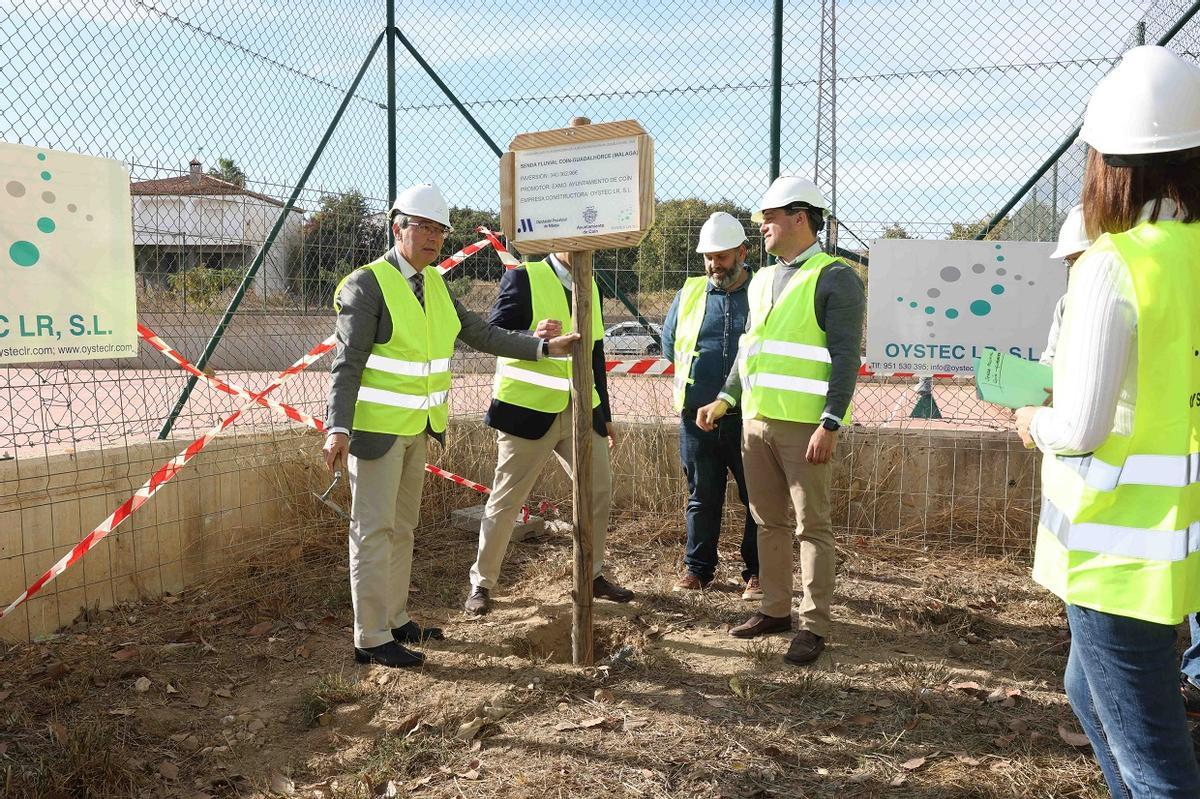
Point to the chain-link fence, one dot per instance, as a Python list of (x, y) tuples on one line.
[(919, 119)]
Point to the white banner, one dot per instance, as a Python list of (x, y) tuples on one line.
[(66, 257), (577, 189), (935, 305)]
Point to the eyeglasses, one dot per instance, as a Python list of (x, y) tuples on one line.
[(429, 228)]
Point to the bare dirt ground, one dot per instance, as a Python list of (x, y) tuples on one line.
[(942, 679)]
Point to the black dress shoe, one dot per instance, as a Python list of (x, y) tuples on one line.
[(603, 589), (805, 648), (413, 633), (389, 654), (478, 602)]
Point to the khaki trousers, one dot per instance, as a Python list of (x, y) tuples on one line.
[(777, 475), (518, 464), (385, 507)]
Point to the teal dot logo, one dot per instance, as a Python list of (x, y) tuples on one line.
[(951, 313), (45, 175), (912, 304), (24, 253), (999, 257), (981, 307), (997, 289), (899, 299), (41, 156), (928, 309), (46, 224)]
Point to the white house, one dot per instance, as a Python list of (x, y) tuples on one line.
[(197, 220)]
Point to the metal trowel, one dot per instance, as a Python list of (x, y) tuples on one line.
[(329, 503)]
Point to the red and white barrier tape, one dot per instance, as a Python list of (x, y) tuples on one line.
[(457, 258), (640, 366), (508, 259), (160, 478), (152, 338)]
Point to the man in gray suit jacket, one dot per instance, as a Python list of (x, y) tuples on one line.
[(396, 327)]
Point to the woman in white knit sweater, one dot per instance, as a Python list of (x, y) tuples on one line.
[(1119, 533)]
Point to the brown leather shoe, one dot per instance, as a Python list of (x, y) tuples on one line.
[(603, 589), (478, 603), (805, 648), (690, 582), (759, 624)]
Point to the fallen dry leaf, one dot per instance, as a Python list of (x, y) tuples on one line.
[(200, 697), (141, 685), (472, 772), (596, 722), (913, 764), (262, 628), (128, 653), (282, 785), (563, 726), (169, 770), (468, 730), (967, 760), (224, 691), (631, 724), (59, 732), (1073, 738), (898, 780), (602, 695), (967, 685), (1001, 694)]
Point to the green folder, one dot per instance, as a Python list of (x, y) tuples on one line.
[(1011, 381)]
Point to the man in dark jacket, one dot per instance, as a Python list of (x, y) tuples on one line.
[(531, 411)]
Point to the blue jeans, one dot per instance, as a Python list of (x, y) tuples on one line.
[(1189, 665), (707, 458), (1123, 684)]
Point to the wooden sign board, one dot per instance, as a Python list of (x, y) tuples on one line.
[(582, 188)]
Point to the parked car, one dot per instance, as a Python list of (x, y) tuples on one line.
[(632, 338)]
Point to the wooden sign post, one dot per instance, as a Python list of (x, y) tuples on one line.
[(575, 190)]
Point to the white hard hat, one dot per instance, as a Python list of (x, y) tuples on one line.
[(425, 200), (1149, 103), (720, 232), (1073, 236), (788, 189)]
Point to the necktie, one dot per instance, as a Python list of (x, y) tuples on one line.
[(418, 287)]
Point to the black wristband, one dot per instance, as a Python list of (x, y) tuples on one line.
[(830, 424), (545, 348)]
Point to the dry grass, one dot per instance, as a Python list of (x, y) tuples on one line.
[(674, 708)]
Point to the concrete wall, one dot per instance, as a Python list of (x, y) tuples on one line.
[(222, 506), (971, 492)]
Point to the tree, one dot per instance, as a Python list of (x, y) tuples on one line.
[(960, 231), (229, 172), (667, 256), (481, 266), (340, 237), (895, 232), (1034, 221)]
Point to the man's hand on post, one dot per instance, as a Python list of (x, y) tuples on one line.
[(548, 328), (708, 415), (337, 445), (561, 345), (820, 445), (612, 434)]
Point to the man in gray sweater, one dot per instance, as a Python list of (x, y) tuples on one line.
[(396, 328), (797, 367)]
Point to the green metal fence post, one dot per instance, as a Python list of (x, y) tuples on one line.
[(248, 278), (391, 109), (776, 85)]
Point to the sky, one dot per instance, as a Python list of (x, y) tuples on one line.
[(943, 107)]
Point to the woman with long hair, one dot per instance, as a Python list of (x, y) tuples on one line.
[(1119, 534)]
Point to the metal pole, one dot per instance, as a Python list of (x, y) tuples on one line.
[(1072, 136), (776, 85), (248, 278), (391, 109), (449, 94)]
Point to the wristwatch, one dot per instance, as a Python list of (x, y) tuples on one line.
[(545, 348), (831, 424)]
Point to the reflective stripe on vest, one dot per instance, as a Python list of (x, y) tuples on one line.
[(783, 361), (1122, 541), (693, 302), (545, 384), (406, 379), (1173, 471), (1120, 528)]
